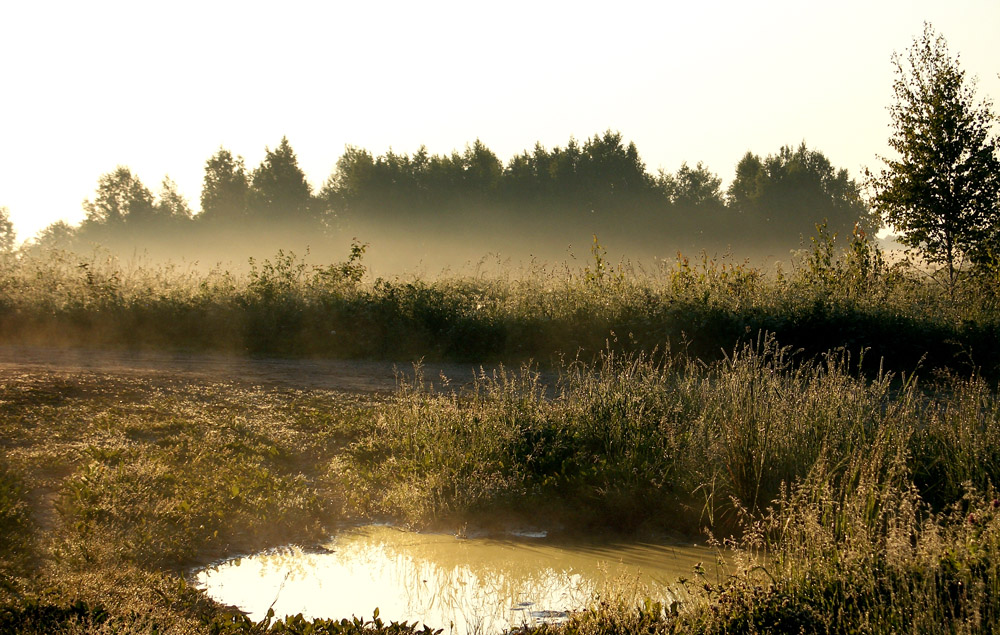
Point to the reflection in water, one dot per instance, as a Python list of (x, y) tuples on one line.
[(462, 586)]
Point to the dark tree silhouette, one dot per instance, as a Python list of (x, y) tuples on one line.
[(481, 172), (787, 194), (692, 188), (224, 188), (279, 190), (121, 197), (352, 180), (612, 171)]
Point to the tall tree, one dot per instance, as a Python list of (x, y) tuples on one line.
[(279, 190), (170, 204), (695, 188), (943, 190), (612, 170), (346, 190), (58, 235), (224, 188), (744, 191), (689, 204), (7, 235), (785, 195), (482, 171), (120, 197)]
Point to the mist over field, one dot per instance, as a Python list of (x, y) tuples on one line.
[(433, 214), (773, 357)]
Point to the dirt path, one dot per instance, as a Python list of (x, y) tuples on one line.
[(343, 375)]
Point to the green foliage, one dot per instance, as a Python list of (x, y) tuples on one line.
[(298, 625), (943, 192), (147, 478), (279, 191), (835, 295), (632, 441), (789, 192), (120, 197), (34, 616), (158, 515), (600, 273), (858, 270), (225, 188), (855, 503), (867, 555), (350, 272), (822, 473)]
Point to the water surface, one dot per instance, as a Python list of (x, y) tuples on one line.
[(459, 585)]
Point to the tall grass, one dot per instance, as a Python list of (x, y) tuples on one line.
[(861, 503), (663, 441), (862, 554), (858, 492), (284, 306)]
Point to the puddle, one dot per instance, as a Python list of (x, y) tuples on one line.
[(459, 585)]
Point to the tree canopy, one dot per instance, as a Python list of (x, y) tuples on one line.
[(225, 188), (942, 192), (121, 197), (598, 186), (793, 191), (279, 190), (7, 235)]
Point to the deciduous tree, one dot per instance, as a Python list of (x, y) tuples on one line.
[(7, 235), (696, 187), (224, 188), (786, 194), (120, 197), (59, 235), (943, 191), (170, 204)]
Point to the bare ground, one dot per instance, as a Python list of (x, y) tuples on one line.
[(32, 376), (354, 376)]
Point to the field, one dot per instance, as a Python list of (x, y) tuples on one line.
[(837, 424)]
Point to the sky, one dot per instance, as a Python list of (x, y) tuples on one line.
[(160, 87)]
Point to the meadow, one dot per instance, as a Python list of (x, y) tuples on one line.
[(837, 425), (831, 296)]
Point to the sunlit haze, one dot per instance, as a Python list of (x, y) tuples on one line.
[(159, 87)]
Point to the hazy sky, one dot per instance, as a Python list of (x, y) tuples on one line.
[(160, 86)]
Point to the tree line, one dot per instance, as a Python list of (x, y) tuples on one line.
[(601, 184), (603, 181), (942, 191)]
